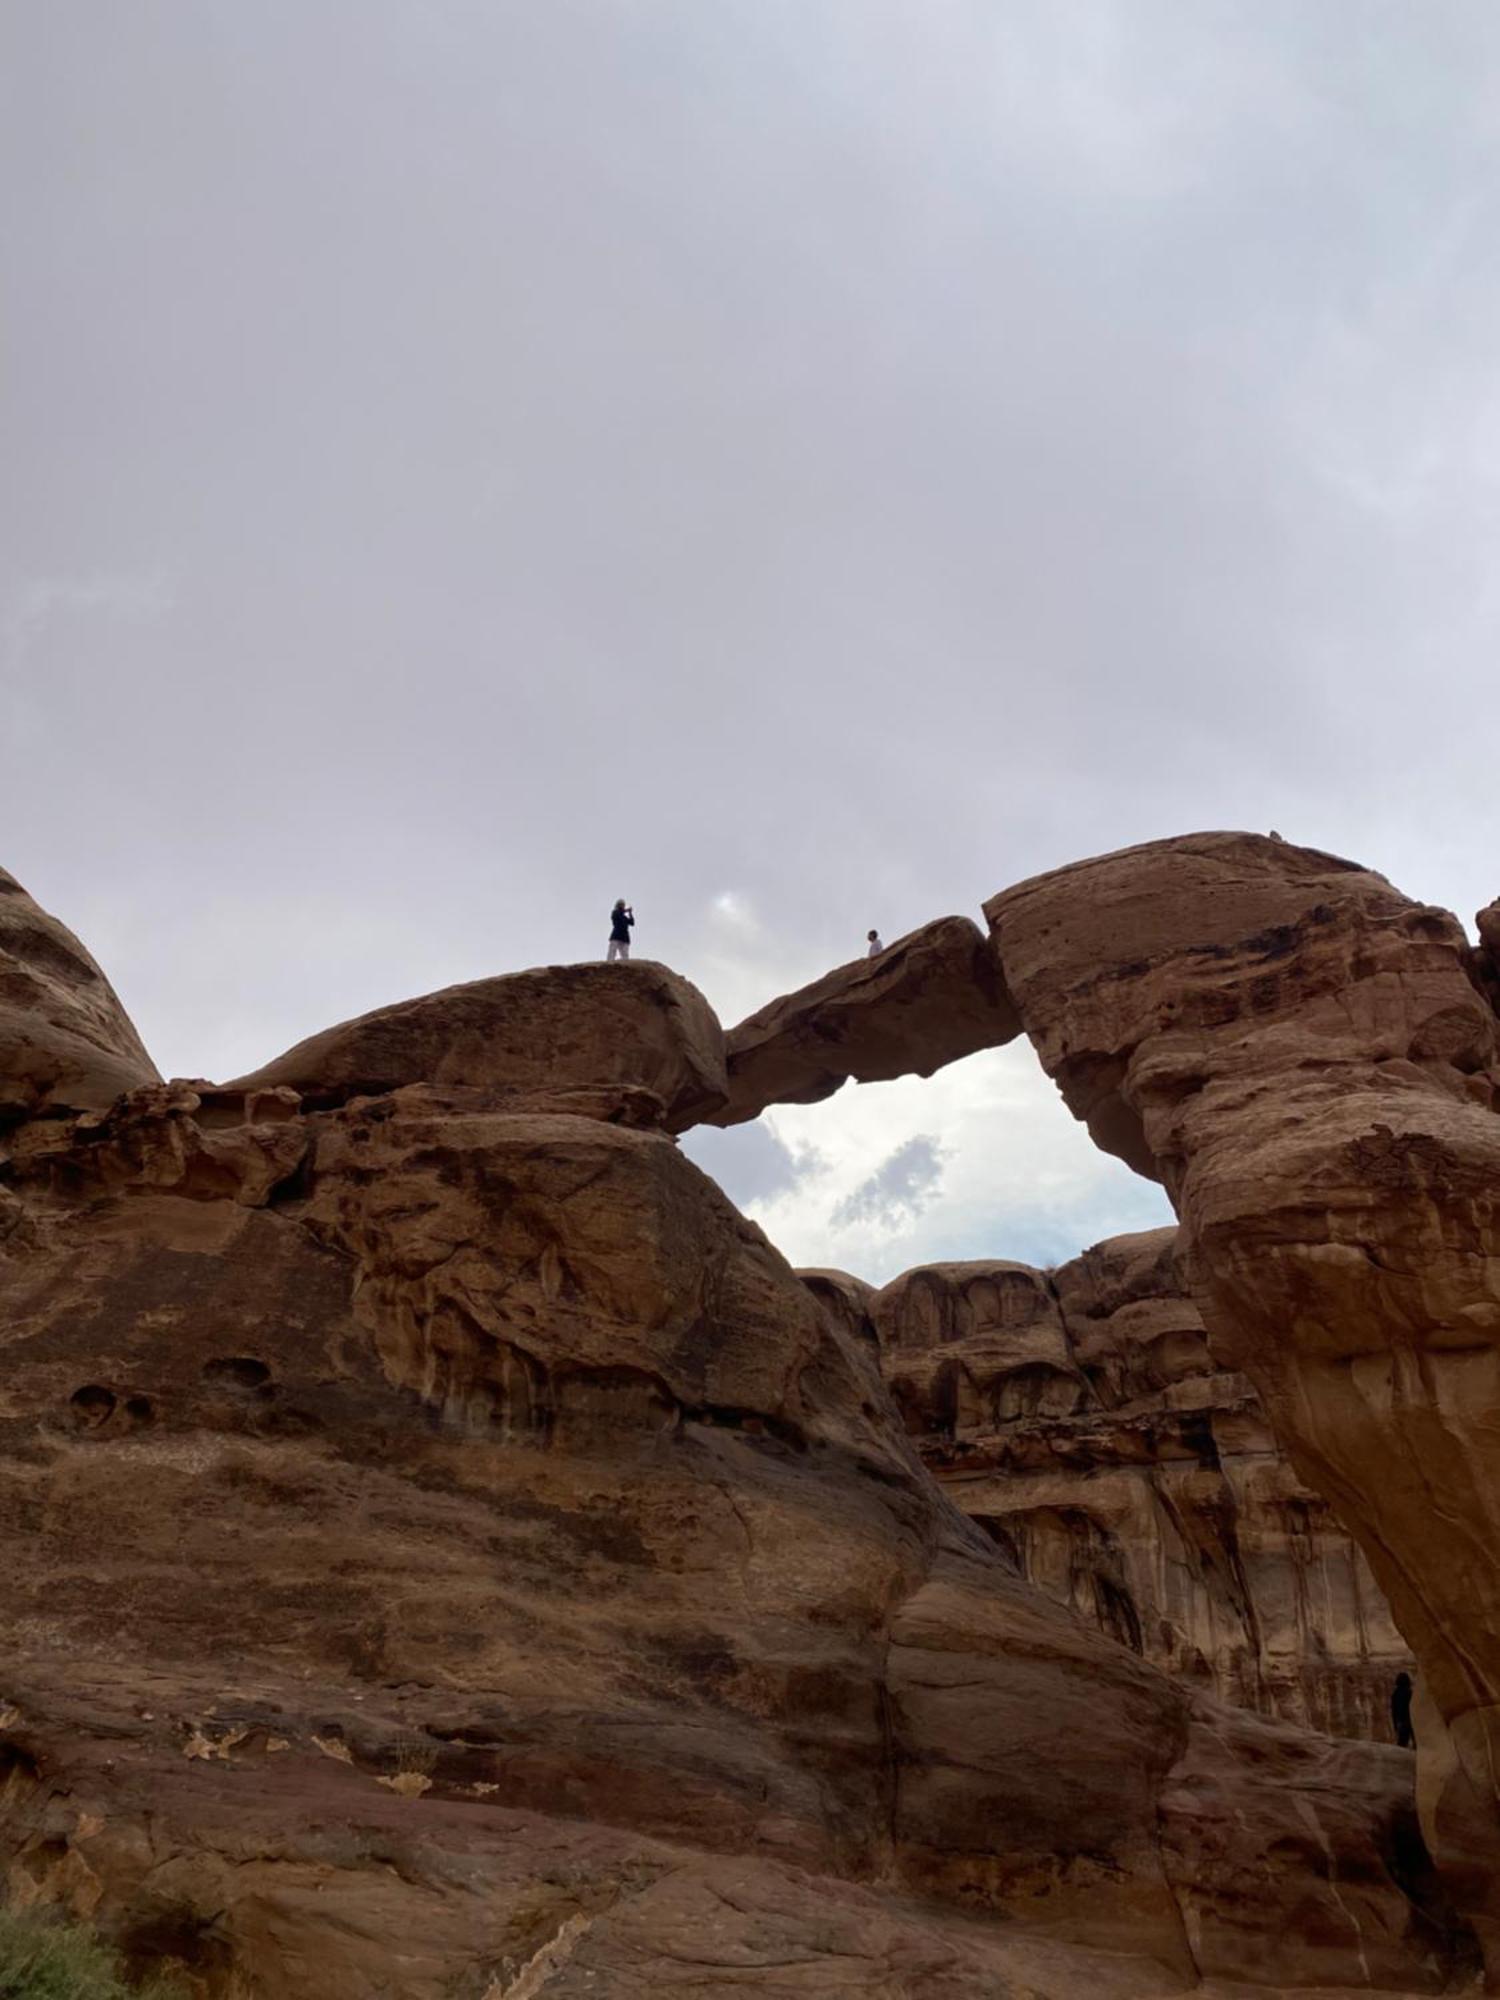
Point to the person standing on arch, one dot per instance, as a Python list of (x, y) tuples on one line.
[(621, 918), (872, 939)]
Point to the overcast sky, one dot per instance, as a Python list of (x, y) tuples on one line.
[(800, 464)]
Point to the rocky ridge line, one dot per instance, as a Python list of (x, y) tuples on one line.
[(66, 1043)]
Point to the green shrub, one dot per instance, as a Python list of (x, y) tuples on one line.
[(44, 1958)]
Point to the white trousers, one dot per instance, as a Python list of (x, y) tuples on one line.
[(616, 950)]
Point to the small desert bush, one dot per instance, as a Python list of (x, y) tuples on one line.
[(44, 1958)]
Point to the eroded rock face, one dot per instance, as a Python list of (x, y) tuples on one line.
[(414, 1482), (1079, 1416), (587, 1027), (448, 1552), (1312, 1808), (1305, 1059), (929, 998), (849, 1300), (1487, 958), (66, 1043), (497, 1460)]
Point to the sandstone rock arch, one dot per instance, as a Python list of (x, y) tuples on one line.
[(933, 996), (1307, 1060), (462, 1475)]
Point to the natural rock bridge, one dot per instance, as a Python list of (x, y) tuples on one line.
[(441, 1532)]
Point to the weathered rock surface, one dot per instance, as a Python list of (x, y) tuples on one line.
[(66, 1043), (503, 1466), (928, 999), (1310, 1809), (1305, 1058), (849, 1300), (635, 1027), (1079, 1416), (449, 1554), (1487, 958)]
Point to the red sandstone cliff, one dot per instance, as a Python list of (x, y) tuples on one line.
[(449, 1553), (1079, 1416)]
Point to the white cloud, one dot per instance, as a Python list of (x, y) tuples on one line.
[(752, 1163), (1019, 1177), (38, 613), (905, 1183), (734, 912), (38, 602)]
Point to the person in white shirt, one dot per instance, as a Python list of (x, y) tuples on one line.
[(876, 947)]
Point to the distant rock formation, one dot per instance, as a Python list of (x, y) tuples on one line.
[(928, 999), (1080, 1418), (66, 1043), (448, 1552), (848, 1299)]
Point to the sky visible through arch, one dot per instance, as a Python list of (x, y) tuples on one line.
[(800, 464)]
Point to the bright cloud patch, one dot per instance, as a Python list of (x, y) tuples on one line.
[(752, 1163), (981, 1160), (898, 1190)]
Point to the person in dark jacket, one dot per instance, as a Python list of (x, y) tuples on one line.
[(621, 917), (1401, 1713)]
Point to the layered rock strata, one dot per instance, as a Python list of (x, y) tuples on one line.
[(493, 1457), (66, 1043), (1307, 1060), (1079, 1416), (555, 1030), (848, 1298), (449, 1553), (925, 1001)]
